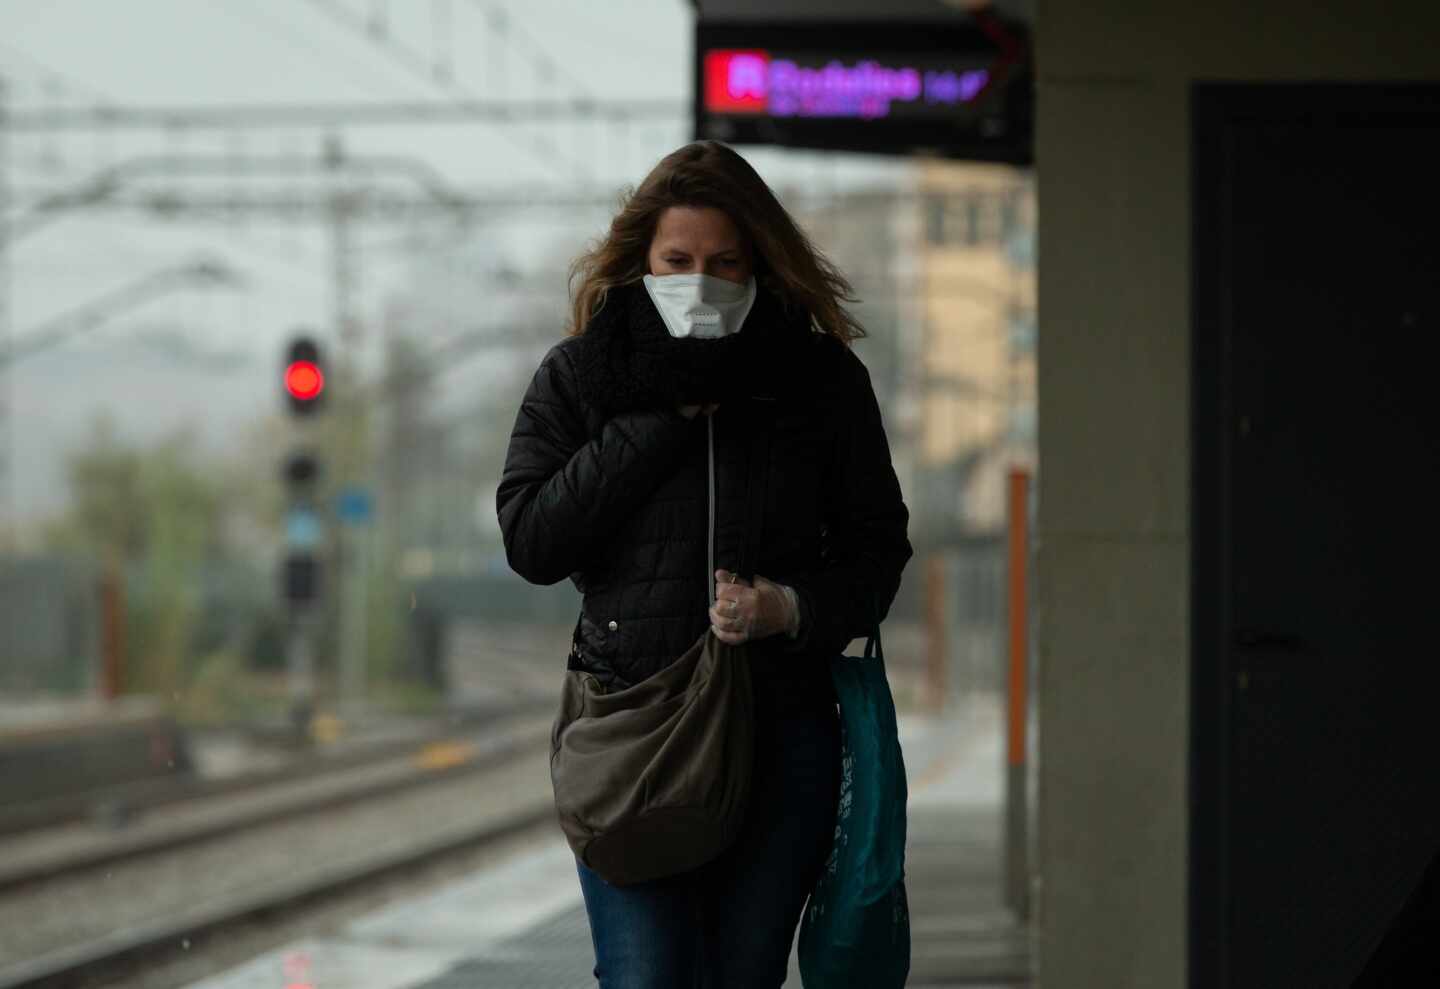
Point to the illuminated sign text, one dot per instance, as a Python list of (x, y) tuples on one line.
[(752, 81)]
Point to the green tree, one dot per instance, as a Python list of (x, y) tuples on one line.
[(157, 515)]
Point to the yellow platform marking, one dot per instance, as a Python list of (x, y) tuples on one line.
[(445, 755)]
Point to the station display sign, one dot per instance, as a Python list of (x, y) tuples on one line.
[(961, 89)]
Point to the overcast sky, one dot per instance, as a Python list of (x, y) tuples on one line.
[(216, 349)]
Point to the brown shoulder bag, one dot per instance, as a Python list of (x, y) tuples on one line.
[(654, 779)]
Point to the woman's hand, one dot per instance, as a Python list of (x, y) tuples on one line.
[(743, 612), (690, 411)]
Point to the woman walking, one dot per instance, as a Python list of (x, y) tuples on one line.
[(708, 335)]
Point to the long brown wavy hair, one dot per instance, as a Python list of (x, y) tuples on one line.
[(707, 173)]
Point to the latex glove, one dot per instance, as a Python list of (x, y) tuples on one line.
[(744, 612)]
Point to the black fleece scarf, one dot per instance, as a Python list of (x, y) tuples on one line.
[(627, 359)]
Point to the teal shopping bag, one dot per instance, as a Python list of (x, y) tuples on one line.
[(855, 933)]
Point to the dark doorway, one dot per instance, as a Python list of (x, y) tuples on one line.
[(1315, 771)]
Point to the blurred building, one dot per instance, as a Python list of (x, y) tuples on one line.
[(976, 284), (944, 267)]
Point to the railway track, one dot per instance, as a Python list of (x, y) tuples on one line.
[(116, 911), (142, 796), (210, 815)]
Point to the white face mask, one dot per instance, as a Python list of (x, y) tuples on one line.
[(700, 305)]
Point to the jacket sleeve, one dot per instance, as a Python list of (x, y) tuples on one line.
[(561, 489), (866, 542)]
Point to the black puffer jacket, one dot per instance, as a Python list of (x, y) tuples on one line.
[(605, 483)]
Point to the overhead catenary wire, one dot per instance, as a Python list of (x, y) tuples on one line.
[(117, 187), (543, 150), (86, 317), (506, 25), (352, 73), (223, 116), (62, 80), (104, 186), (548, 69), (53, 87)]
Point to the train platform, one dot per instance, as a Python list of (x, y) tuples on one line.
[(520, 923)]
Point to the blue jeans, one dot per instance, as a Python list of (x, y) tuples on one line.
[(731, 922)]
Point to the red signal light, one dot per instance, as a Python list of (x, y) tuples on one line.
[(304, 380)]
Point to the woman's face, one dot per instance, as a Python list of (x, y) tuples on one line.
[(699, 240)]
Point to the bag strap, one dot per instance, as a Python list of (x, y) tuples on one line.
[(873, 646), (574, 660)]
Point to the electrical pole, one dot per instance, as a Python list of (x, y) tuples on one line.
[(351, 444), (8, 529)]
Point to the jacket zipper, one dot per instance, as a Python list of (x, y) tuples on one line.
[(710, 543)]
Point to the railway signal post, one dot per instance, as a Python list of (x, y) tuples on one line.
[(306, 527)]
